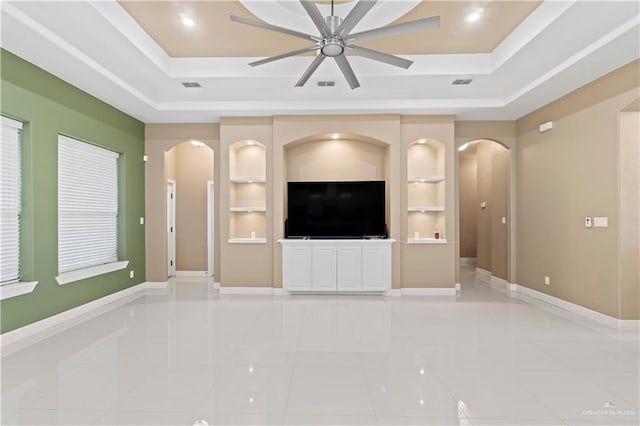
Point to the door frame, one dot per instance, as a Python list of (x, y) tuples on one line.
[(210, 228), (171, 228)]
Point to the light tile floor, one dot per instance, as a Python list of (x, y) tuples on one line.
[(189, 354)]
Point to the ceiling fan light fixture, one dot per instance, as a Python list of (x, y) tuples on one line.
[(332, 46)]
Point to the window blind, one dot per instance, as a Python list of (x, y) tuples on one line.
[(87, 205), (10, 178)]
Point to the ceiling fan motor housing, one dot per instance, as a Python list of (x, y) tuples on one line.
[(332, 45)]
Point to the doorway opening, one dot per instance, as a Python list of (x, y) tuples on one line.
[(484, 179), (190, 210)]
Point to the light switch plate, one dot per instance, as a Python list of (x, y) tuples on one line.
[(601, 222)]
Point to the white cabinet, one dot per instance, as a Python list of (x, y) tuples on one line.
[(349, 274), (336, 265), (375, 268), (297, 268), (323, 272)]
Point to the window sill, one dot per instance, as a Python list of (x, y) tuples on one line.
[(18, 289), (81, 274)]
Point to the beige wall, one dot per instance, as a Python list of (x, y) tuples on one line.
[(565, 175), (193, 169), (500, 171), (468, 181), (246, 265), (430, 265), (629, 202), (160, 138)]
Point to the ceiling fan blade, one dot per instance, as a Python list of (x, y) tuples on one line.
[(270, 27), (315, 15), (380, 56), (284, 55), (398, 29), (348, 73), (355, 16), (309, 71)]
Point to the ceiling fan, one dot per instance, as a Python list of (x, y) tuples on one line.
[(335, 38)]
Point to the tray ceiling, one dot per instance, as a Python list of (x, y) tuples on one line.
[(136, 56)]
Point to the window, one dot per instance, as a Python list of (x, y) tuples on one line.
[(10, 189), (87, 206)]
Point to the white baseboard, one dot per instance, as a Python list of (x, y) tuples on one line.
[(468, 261), (247, 290), (216, 285), (518, 290), (280, 292), (395, 292), (483, 275), (151, 285), (191, 273), (436, 291), (498, 283), (58, 320)]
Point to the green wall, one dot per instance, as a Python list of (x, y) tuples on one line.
[(48, 106)]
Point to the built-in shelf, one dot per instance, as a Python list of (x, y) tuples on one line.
[(426, 241), (248, 209), (426, 193), (247, 241), (248, 179), (424, 209), (426, 178)]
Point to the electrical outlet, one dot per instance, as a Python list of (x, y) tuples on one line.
[(131, 274), (547, 280)]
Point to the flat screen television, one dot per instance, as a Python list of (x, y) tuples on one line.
[(336, 210)]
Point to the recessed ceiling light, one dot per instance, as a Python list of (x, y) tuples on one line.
[(335, 136), (474, 16), (197, 143), (251, 143), (187, 20), (422, 141), (463, 147)]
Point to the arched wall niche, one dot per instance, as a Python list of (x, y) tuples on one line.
[(247, 191), (426, 191), (337, 156)]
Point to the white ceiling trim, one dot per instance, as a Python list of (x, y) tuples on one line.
[(128, 27), (629, 26), (537, 21), (45, 33)]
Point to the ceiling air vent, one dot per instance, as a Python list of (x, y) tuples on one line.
[(191, 84), (461, 81), (326, 83)]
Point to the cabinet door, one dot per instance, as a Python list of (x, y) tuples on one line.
[(324, 269), (376, 268), (297, 268), (349, 268)]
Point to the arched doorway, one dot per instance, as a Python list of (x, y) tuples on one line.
[(189, 168), (484, 179)]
